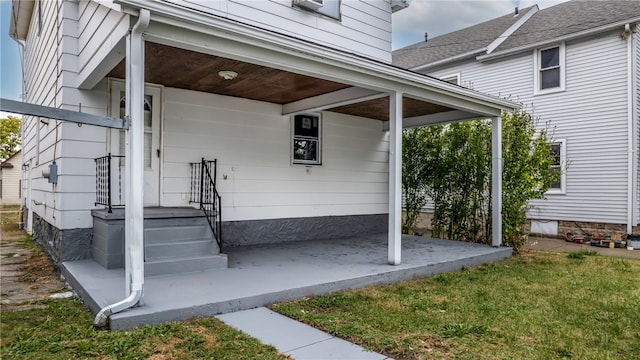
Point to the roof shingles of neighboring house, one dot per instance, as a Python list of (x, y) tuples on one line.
[(554, 22), (476, 37), (568, 18)]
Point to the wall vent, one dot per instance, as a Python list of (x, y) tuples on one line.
[(309, 4)]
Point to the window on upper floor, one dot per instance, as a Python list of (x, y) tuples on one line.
[(307, 137), (558, 150), (549, 69)]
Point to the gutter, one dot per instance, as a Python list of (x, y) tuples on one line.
[(572, 36), (468, 55), (134, 216), (628, 37)]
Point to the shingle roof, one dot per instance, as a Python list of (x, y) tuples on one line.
[(553, 22), (475, 37), (570, 17)]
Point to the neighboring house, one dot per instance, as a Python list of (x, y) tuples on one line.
[(11, 179), (300, 107), (575, 65)]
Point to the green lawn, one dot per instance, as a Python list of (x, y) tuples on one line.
[(538, 306), (62, 329)]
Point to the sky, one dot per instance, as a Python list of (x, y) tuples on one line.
[(436, 17)]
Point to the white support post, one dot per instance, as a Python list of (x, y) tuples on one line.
[(134, 216), (496, 181), (395, 178)]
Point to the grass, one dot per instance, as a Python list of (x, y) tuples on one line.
[(537, 306), (62, 329), (582, 254)]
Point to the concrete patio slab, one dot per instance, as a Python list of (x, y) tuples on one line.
[(293, 338), (559, 245), (264, 274)]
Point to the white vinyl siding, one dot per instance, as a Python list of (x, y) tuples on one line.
[(50, 79), (11, 178), (591, 115), (364, 27), (636, 115), (256, 179), (100, 29)]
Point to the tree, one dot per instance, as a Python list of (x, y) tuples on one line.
[(9, 136)]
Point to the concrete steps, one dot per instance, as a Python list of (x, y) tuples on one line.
[(176, 240), (179, 241)]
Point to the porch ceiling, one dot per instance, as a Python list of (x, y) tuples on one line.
[(190, 70)]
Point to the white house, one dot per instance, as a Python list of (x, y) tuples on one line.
[(575, 65), (296, 101), (11, 179)]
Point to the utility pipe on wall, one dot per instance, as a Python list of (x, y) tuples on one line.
[(628, 36), (134, 211)]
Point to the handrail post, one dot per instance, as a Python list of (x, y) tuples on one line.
[(109, 182), (201, 182)]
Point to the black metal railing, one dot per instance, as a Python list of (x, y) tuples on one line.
[(204, 192), (109, 193)]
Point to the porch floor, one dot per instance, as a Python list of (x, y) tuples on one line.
[(259, 275)]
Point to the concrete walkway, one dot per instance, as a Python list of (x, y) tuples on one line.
[(290, 337)]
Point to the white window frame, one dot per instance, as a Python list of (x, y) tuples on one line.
[(537, 81), (295, 161), (563, 166), (450, 77)]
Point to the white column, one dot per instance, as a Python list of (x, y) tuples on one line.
[(395, 178), (496, 181), (134, 213)]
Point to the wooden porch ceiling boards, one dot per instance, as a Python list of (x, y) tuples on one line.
[(379, 108), (190, 70)]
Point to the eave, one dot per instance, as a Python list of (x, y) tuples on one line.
[(21, 13)]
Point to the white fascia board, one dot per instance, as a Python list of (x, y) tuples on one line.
[(568, 37), (178, 26), (515, 26), (333, 99), (468, 55), (433, 119)]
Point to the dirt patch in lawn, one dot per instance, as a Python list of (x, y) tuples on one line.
[(26, 273)]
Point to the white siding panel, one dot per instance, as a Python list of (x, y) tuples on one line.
[(252, 143), (364, 28), (636, 115), (590, 115)]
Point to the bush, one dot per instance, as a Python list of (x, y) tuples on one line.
[(451, 165)]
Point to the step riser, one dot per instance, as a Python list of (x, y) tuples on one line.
[(185, 265), (176, 234), (176, 250), (172, 222)]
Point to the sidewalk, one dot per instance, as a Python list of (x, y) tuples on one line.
[(559, 245), (294, 338)]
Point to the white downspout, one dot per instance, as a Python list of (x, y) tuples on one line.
[(134, 211), (630, 128)]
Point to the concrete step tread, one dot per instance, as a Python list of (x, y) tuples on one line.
[(184, 258)]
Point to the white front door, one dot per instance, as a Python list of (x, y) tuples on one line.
[(152, 147)]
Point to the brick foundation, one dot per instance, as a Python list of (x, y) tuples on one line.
[(423, 226)]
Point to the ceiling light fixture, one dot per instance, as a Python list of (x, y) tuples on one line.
[(227, 74)]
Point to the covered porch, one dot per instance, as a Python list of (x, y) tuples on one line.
[(264, 274), (257, 82)]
